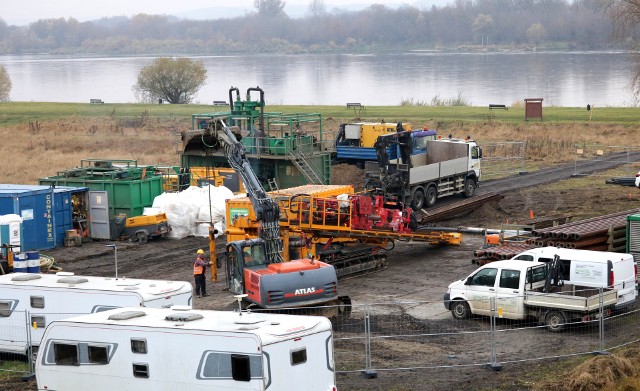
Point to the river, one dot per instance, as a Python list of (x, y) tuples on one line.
[(570, 79)]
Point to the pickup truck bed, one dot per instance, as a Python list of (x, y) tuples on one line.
[(572, 298)]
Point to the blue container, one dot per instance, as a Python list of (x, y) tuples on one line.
[(33, 262), (20, 262), (46, 213)]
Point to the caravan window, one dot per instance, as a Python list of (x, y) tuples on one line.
[(139, 346), (221, 365), (65, 354), (524, 257), (240, 368), (37, 301), (98, 354), (6, 307), (141, 370), (299, 356)]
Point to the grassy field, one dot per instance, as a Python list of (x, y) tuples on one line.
[(19, 112), (40, 139)]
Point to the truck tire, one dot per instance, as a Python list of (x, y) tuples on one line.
[(469, 187), (432, 196), (417, 199), (555, 321), (460, 309)]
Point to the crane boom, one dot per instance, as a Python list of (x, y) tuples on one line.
[(266, 209)]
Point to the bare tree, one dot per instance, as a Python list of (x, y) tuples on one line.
[(625, 15), (5, 84), (269, 8), (174, 80), (317, 9)]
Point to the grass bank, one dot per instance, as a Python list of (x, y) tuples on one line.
[(40, 139)]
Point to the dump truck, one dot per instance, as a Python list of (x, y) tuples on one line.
[(448, 166)]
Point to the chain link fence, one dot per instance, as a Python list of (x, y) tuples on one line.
[(625, 157), (500, 159)]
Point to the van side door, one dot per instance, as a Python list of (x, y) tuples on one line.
[(509, 296), (480, 288)]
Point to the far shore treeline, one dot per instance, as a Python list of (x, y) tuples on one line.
[(461, 25)]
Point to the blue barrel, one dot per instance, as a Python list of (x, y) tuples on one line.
[(33, 262), (20, 263)]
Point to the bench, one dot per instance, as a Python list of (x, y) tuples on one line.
[(219, 103), (92, 101), (355, 106), (501, 107)]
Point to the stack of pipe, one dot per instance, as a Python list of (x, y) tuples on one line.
[(603, 233)]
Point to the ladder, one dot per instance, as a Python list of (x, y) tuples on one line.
[(305, 167), (273, 184)]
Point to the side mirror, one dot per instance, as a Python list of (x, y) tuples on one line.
[(468, 281), (479, 153)]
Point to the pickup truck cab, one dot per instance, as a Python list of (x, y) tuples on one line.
[(522, 290)]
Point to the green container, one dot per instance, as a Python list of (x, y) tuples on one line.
[(280, 145), (128, 197)]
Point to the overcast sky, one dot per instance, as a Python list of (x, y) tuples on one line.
[(26, 11)]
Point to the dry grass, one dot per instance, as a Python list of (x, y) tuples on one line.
[(611, 372), (42, 148), (39, 149)]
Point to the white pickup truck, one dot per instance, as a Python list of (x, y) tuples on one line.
[(518, 289)]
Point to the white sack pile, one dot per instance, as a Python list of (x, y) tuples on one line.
[(190, 211)]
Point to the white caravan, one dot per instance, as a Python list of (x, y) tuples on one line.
[(45, 297), (175, 349), (593, 269)]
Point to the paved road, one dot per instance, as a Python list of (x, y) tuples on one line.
[(559, 172)]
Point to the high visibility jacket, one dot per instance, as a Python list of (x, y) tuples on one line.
[(197, 269)]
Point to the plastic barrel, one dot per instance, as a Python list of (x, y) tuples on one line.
[(20, 263), (33, 262)]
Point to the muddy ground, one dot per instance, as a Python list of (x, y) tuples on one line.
[(414, 272)]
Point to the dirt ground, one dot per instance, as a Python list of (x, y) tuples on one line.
[(415, 272)]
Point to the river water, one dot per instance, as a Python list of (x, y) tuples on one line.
[(562, 79)]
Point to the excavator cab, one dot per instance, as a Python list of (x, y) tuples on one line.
[(241, 255)]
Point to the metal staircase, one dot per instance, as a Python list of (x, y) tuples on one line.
[(305, 167)]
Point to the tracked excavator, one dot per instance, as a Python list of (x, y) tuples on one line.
[(255, 267)]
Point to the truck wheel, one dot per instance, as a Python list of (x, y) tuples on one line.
[(141, 237), (432, 196), (555, 321), (469, 187), (417, 200), (460, 309)]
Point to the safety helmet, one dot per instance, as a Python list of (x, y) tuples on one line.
[(201, 251)]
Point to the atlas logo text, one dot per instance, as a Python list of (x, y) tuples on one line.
[(305, 291)]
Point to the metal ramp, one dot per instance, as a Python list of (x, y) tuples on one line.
[(305, 167)]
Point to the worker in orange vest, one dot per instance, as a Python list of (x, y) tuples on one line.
[(199, 270)]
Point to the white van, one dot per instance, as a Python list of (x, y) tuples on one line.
[(149, 349), (593, 269), (45, 297)]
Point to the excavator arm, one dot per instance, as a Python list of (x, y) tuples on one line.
[(266, 209)]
